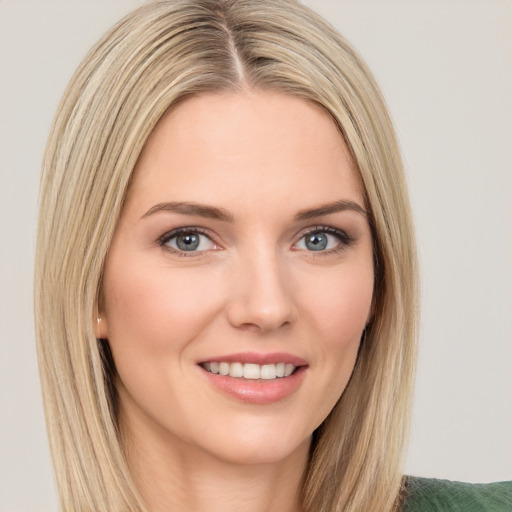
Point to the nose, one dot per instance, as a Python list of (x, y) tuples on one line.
[(262, 298)]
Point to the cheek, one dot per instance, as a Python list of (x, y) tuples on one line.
[(338, 313), (151, 305), (340, 304), (154, 316)]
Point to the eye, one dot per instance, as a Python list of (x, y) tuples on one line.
[(323, 239), (187, 240)]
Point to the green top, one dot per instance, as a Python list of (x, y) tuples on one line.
[(431, 495)]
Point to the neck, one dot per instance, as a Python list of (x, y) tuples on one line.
[(173, 475)]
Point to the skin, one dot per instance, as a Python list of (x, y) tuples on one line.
[(253, 285)]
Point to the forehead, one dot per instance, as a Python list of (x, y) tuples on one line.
[(248, 146)]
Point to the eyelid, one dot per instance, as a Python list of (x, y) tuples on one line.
[(344, 239), (164, 239)]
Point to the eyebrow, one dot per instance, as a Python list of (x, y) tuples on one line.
[(326, 209), (187, 208), (212, 212)]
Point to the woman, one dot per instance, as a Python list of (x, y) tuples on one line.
[(226, 278)]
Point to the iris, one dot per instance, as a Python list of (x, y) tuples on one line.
[(316, 241), (187, 241)]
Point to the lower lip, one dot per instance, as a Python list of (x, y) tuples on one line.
[(261, 392)]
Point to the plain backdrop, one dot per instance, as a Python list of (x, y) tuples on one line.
[(445, 67)]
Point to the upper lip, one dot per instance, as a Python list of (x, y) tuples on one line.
[(257, 358)]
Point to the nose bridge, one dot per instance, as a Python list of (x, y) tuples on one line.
[(262, 295)]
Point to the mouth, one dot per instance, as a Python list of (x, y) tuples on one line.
[(250, 371), (255, 378)]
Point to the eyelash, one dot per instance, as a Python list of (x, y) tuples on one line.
[(344, 239), (167, 237)]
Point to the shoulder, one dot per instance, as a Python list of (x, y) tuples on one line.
[(432, 495)]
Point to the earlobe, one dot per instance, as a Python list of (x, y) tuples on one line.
[(100, 328), (100, 321)]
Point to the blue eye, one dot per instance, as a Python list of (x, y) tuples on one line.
[(316, 241), (323, 240), (187, 241)]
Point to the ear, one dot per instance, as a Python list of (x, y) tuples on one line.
[(100, 327), (100, 321)]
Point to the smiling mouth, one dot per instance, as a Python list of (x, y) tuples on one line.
[(250, 371)]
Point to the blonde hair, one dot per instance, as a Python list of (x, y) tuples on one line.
[(158, 55)]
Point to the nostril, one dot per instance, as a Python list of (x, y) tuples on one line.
[(250, 327)]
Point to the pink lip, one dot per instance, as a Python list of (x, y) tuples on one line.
[(261, 392), (257, 358)]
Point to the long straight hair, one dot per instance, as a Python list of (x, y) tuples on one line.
[(158, 55)]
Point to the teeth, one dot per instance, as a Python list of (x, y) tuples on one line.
[(268, 371), (250, 370), (236, 370), (288, 369)]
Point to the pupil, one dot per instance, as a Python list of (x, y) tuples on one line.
[(316, 242), (187, 242)]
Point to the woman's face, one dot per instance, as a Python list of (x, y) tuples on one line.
[(243, 248)]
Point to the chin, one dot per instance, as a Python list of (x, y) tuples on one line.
[(251, 453), (257, 444)]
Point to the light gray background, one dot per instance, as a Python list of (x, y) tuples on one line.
[(445, 69)]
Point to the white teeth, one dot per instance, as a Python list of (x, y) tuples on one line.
[(268, 371), (250, 370), (236, 370)]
